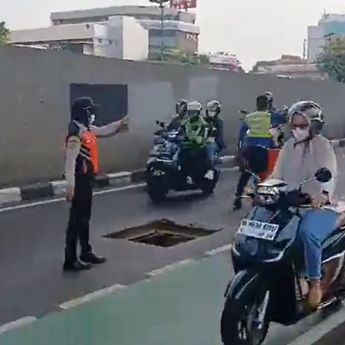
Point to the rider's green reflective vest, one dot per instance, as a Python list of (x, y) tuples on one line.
[(259, 124), (196, 132)]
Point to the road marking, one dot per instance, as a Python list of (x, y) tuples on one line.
[(52, 201), (218, 250), (229, 169), (91, 296), (16, 324), (169, 268), (324, 327)]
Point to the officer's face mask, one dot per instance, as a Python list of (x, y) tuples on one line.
[(92, 118)]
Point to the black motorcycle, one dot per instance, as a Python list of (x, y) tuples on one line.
[(168, 167), (269, 284)]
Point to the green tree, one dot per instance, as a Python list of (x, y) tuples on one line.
[(332, 60), (4, 33)]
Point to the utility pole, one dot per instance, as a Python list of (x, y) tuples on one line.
[(161, 4)]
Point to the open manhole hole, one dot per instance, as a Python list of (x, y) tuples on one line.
[(161, 233)]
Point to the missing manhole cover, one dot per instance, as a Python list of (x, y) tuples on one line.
[(162, 233)]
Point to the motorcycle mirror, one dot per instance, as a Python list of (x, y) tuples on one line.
[(157, 122), (244, 112), (323, 175)]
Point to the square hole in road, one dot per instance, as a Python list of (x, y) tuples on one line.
[(162, 233)]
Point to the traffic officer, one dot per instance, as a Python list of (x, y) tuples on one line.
[(255, 139), (81, 166)]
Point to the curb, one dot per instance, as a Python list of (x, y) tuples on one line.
[(15, 195)]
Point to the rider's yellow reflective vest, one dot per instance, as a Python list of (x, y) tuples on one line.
[(259, 124)]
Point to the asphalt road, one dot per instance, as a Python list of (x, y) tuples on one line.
[(32, 238), (32, 241)]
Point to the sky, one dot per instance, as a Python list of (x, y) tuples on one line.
[(252, 29)]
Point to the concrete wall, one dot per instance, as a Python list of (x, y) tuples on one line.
[(34, 106)]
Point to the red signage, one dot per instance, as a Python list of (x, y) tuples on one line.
[(183, 4)]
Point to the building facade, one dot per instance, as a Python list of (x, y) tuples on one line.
[(120, 37), (330, 26), (179, 32), (289, 67)]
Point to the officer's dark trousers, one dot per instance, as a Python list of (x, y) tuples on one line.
[(253, 159), (79, 219)]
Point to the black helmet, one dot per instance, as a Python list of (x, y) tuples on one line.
[(181, 107), (312, 112), (269, 96), (82, 110)]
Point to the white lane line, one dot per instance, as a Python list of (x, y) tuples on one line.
[(169, 268), (218, 250), (17, 323), (52, 201), (229, 169), (100, 192), (324, 327), (91, 296)]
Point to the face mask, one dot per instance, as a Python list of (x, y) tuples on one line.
[(92, 118), (300, 134), (211, 113)]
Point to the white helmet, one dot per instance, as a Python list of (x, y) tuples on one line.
[(194, 108), (213, 108), (311, 111)]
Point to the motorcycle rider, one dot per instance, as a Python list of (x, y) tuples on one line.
[(254, 140), (181, 112), (194, 129), (215, 140), (279, 119), (302, 155)]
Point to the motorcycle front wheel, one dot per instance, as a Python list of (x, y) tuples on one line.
[(239, 325), (157, 189)]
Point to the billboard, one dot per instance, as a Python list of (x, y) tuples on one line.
[(183, 4)]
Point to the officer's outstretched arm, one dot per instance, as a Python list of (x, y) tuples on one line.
[(110, 129), (72, 152)]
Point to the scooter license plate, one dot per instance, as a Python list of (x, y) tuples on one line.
[(260, 230)]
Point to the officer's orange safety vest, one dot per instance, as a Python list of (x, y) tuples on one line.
[(89, 144)]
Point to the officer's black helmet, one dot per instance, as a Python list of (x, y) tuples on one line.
[(82, 109)]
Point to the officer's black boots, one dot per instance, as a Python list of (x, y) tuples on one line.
[(237, 205), (76, 266), (91, 258)]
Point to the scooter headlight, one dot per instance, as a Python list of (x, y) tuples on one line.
[(267, 195)]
